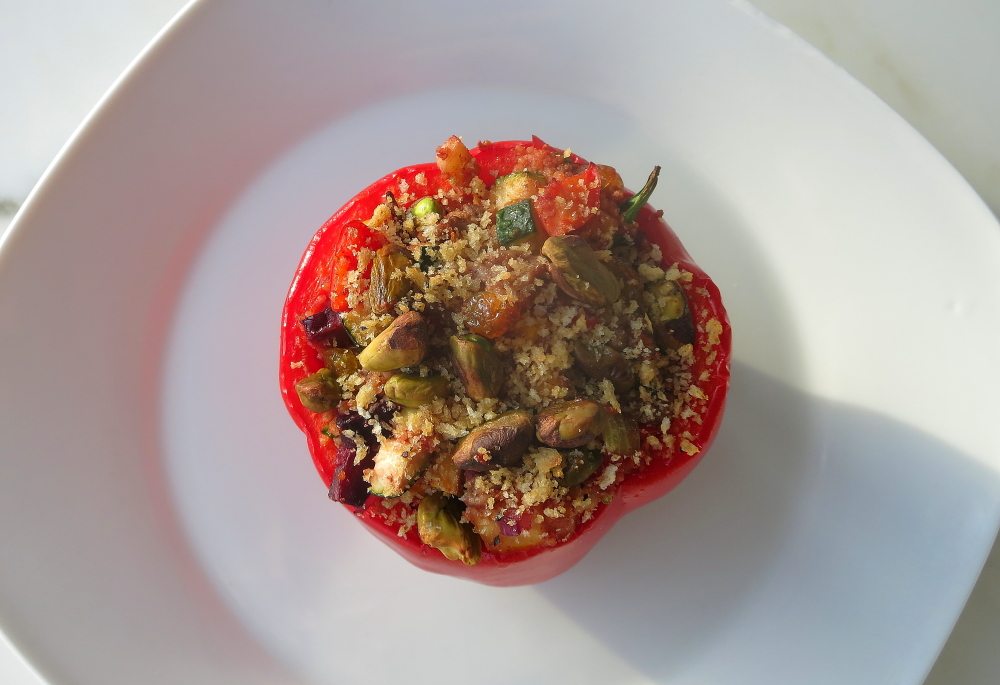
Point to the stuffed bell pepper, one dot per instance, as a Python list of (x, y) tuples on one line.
[(494, 356)]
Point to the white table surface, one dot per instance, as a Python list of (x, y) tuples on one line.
[(936, 63)]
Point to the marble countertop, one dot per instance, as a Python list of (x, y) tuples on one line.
[(934, 63)]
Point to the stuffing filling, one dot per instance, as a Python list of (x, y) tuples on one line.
[(500, 352)]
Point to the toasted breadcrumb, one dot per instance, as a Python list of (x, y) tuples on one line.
[(455, 259)]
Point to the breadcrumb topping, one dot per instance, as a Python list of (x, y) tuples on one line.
[(632, 355)]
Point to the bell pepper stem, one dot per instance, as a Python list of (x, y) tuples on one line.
[(631, 207)]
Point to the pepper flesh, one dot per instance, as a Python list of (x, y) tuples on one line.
[(316, 285)]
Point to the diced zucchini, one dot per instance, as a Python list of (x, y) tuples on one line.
[(520, 185), (397, 465), (515, 223)]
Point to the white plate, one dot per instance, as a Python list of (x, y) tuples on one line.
[(160, 518)]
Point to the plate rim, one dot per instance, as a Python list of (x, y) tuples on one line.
[(161, 43)]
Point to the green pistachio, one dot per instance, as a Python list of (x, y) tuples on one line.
[(606, 362), (439, 527), (478, 365), (403, 343), (319, 391), (621, 435), (422, 209), (669, 314), (388, 282), (570, 424), (415, 391), (578, 466), (500, 442), (579, 273)]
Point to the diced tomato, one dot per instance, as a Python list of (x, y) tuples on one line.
[(563, 206)]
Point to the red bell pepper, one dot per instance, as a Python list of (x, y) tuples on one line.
[(318, 282)]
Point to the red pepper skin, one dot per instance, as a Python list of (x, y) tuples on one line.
[(308, 293)]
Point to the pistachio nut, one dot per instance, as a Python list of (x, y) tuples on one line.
[(423, 209), (621, 435), (578, 466), (319, 391), (570, 424), (604, 363), (579, 273), (414, 391), (403, 343), (626, 275), (668, 311), (439, 527), (500, 442), (478, 365), (388, 278)]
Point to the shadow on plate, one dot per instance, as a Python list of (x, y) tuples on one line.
[(696, 552), (671, 577)]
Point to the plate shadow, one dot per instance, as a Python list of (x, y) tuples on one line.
[(671, 578)]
